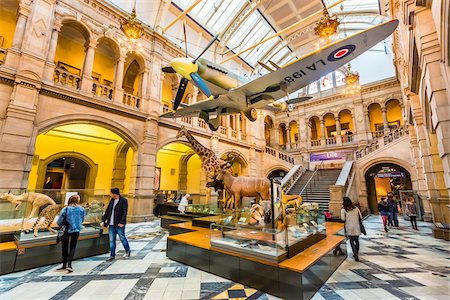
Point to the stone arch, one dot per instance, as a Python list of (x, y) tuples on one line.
[(120, 165), (238, 153), (78, 24), (171, 140), (402, 163), (92, 172), (274, 168), (109, 124)]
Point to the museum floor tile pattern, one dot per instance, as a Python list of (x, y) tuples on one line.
[(400, 264)]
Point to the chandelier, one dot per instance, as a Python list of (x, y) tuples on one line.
[(327, 26), (351, 82), (132, 27)]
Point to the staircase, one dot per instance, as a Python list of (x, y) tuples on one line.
[(315, 187)]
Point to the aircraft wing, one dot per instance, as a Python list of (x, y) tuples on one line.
[(206, 105), (313, 66)]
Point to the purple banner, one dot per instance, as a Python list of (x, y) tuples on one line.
[(330, 155)]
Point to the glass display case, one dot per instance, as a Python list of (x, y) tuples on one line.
[(203, 209), (258, 242), (274, 237), (21, 211)]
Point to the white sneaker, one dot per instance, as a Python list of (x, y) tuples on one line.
[(127, 254)]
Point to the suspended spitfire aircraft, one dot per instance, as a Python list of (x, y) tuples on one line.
[(229, 93)]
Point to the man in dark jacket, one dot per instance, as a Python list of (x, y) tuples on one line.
[(116, 217)]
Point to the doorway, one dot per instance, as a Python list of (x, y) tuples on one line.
[(384, 178)]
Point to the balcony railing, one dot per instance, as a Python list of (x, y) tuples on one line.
[(223, 130), (102, 90), (243, 136), (67, 79), (2, 55), (280, 155), (131, 100), (202, 124), (330, 140), (234, 134), (315, 143), (347, 138), (166, 109)]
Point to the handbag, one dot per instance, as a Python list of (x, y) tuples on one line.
[(361, 225), (63, 231)]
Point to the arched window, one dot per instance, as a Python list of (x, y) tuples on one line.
[(326, 82), (340, 78)]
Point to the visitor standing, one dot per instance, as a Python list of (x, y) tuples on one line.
[(160, 199), (383, 208), (393, 210), (184, 203), (116, 217), (73, 216), (411, 212), (351, 215)]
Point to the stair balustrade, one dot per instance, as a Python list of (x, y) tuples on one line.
[(384, 140), (377, 134), (280, 155)]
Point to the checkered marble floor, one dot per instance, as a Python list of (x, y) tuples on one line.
[(400, 264)]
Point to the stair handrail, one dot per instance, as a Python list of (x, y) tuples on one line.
[(346, 176), (292, 177), (311, 178)]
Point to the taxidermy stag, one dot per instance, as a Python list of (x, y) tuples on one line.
[(244, 186)]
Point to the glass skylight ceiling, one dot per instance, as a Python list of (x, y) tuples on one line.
[(217, 15)]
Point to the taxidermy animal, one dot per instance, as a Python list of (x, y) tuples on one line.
[(49, 213), (244, 186), (36, 199)]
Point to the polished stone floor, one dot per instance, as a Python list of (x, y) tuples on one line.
[(400, 264)]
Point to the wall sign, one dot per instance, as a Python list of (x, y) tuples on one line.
[(330, 155)]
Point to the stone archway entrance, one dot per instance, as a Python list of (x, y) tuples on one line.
[(384, 178)]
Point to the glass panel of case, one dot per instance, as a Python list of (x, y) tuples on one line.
[(204, 209), (41, 207), (304, 222), (12, 212), (257, 242)]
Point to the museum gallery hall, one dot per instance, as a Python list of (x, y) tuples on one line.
[(219, 149)]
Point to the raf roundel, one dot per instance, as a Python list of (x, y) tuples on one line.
[(341, 52)]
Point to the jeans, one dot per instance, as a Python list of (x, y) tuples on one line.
[(113, 232), (393, 219), (385, 219), (69, 253), (354, 243), (413, 221)]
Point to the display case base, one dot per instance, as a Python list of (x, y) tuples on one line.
[(23, 255), (299, 277)]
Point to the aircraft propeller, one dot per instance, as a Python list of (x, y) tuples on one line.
[(188, 69)]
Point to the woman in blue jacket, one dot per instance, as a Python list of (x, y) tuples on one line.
[(74, 216)]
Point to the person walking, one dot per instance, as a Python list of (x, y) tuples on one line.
[(116, 217), (383, 208), (160, 199), (393, 210), (411, 212), (73, 216), (184, 203), (351, 215)]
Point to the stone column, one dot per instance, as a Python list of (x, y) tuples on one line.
[(353, 129), (338, 130), (118, 80), (385, 121), (143, 174), (238, 126), (49, 69), (20, 29), (322, 132), (144, 83), (288, 137), (86, 81), (368, 129)]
